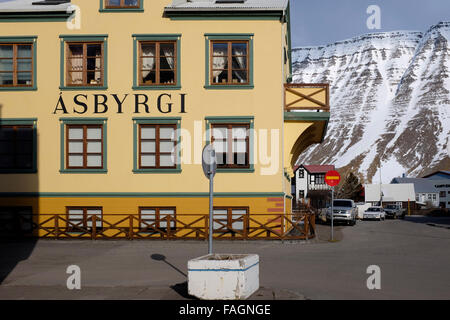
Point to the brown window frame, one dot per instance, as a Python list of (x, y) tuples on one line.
[(157, 141), (157, 58), (122, 5), (84, 140), (85, 70), (15, 70), (229, 68), (230, 140), (157, 219), (16, 141), (230, 216), (84, 225)]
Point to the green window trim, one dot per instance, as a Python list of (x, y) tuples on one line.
[(156, 37), (229, 37), (237, 119), (24, 39), (82, 121), (83, 38), (103, 8), (26, 122), (166, 120)]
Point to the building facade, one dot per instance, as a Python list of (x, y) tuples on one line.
[(105, 107), (309, 183)]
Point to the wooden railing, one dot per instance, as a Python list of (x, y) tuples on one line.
[(306, 96), (180, 226)]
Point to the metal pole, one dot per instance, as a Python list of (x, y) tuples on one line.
[(211, 183), (332, 213)]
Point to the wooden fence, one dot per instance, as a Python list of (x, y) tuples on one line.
[(179, 226)]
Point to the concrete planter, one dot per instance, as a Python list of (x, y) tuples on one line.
[(223, 276)]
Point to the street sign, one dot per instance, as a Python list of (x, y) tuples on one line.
[(209, 163), (332, 178)]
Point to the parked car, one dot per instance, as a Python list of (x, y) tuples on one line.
[(393, 211), (374, 213), (344, 210)]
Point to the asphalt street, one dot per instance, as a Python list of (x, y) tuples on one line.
[(413, 256)]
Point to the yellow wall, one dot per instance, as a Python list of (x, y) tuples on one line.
[(264, 102)]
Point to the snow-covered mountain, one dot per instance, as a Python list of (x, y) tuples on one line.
[(390, 102)]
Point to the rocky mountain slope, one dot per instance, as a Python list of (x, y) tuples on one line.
[(390, 102)]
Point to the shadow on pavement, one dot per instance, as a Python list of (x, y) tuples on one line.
[(182, 290), (12, 252), (432, 221)]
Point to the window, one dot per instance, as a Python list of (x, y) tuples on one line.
[(157, 146), (231, 142), (83, 146), (441, 194), (157, 218), (18, 146), (121, 5), (301, 194), (80, 219), (84, 62), (230, 219), (16, 220), (301, 173), (17, 65), (157, 63), (320, 178), (115, 4), (229, 61)]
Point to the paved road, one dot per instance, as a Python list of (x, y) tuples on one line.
[(413, 255)]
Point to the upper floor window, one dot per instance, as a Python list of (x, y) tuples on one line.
[(157, 63), (114, 4), (229, 62), (16, 65), (301, 173), (84, 64)]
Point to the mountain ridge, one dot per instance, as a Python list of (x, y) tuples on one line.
[(390, 101)]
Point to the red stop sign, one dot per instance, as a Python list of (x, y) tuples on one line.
[(332, 178)]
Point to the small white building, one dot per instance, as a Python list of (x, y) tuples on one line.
[(309, 183), (399, 194)]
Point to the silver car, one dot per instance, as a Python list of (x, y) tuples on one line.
[(374, 213), (344, 210)]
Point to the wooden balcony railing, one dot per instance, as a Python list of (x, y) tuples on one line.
[(179, 226), (302, 96)]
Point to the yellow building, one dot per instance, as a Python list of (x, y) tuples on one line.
[(105, 106)]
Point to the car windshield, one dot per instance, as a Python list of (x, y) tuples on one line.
[(342, 203), (374, 209), (391, 206)]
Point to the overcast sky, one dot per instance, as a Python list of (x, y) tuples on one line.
[(319, 22)]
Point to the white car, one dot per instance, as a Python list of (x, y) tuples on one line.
[(374, 213)]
